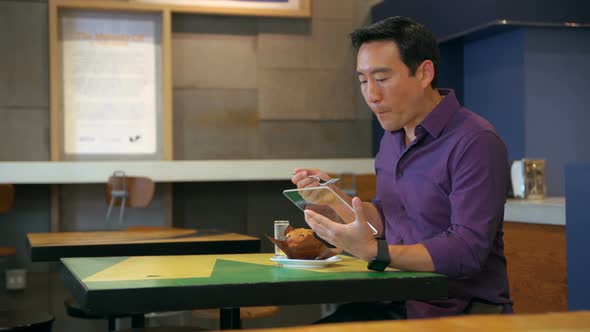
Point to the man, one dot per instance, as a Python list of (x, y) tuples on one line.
[(441, 181)]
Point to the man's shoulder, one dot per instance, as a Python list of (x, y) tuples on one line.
[(468, 124), (474, 133)]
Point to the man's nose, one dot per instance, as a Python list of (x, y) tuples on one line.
[(373, 93)]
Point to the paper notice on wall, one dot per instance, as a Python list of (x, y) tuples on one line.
[(249, 4), (110, 75)]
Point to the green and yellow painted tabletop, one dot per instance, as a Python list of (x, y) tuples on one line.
[(116, 285)]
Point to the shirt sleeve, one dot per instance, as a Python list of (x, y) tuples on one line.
[(479, 177), (377, 203)]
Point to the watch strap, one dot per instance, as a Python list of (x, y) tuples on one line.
[(382, 260)]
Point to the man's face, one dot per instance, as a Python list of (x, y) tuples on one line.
[(386, 84)]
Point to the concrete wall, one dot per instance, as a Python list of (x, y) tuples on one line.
[(245, 88), (269, 88)]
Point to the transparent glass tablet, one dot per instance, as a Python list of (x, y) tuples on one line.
[(325, 201)]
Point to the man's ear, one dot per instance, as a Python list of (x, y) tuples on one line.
[(427, 73)]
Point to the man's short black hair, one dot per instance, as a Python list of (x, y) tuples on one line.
[(416, 43)]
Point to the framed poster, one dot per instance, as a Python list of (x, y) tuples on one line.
[(107, 69), (281, 8)]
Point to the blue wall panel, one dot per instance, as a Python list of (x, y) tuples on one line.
[(549, 11), (577, 188), (454, 18), (444, 18), (556, 92), (494, 85), (450, 73)]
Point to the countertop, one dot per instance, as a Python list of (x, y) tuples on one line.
[(548, 211), (63, 172)]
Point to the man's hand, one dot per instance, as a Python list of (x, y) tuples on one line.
[(302, 180), (355, 238), (301, 177)]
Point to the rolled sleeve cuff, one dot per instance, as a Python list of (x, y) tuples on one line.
[(377, 203), (445, 260)]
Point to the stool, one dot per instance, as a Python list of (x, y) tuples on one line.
[(164, 329), (245, 313), (25, 321), (73, 310)]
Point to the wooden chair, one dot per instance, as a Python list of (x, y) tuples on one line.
[(128, 191), (6, 197), (362, 185), (6, 204), (19, 320), (123, 191)]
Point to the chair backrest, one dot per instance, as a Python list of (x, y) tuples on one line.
[(366, 186), (6, 203), (362, 185), (140, 190), (6, 197)]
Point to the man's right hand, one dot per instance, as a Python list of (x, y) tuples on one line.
[(302, 180)]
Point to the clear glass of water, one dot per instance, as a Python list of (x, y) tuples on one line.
[(280, 226)]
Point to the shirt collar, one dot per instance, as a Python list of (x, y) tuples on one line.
[(437, 120)]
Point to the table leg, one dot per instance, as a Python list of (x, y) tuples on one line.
[(229, 318)]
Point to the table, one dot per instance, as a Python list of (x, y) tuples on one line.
[(550, 322), (114, 285), (46, 247)]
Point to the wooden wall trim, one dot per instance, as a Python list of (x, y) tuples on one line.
[(167, 112), (303, 12), (54, 79)]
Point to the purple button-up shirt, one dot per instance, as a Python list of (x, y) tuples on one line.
[(447, 190)]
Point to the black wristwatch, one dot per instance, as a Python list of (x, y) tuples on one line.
[(382, 260)]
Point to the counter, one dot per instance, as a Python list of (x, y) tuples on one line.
[(63, 172), (550, 211)]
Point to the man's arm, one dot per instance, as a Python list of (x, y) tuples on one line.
[(479, 176), (301, 179), (413, 257), (407, 257), (357, 239), (372, 215)]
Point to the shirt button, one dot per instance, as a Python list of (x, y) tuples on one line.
[(403, 208)]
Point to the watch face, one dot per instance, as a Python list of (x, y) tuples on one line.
[(376, 265)]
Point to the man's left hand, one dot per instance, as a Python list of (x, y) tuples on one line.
[(356, 238)]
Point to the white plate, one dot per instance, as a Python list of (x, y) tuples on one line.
[(304, 263)]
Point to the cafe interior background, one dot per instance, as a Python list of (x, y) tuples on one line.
[(261, 88)]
